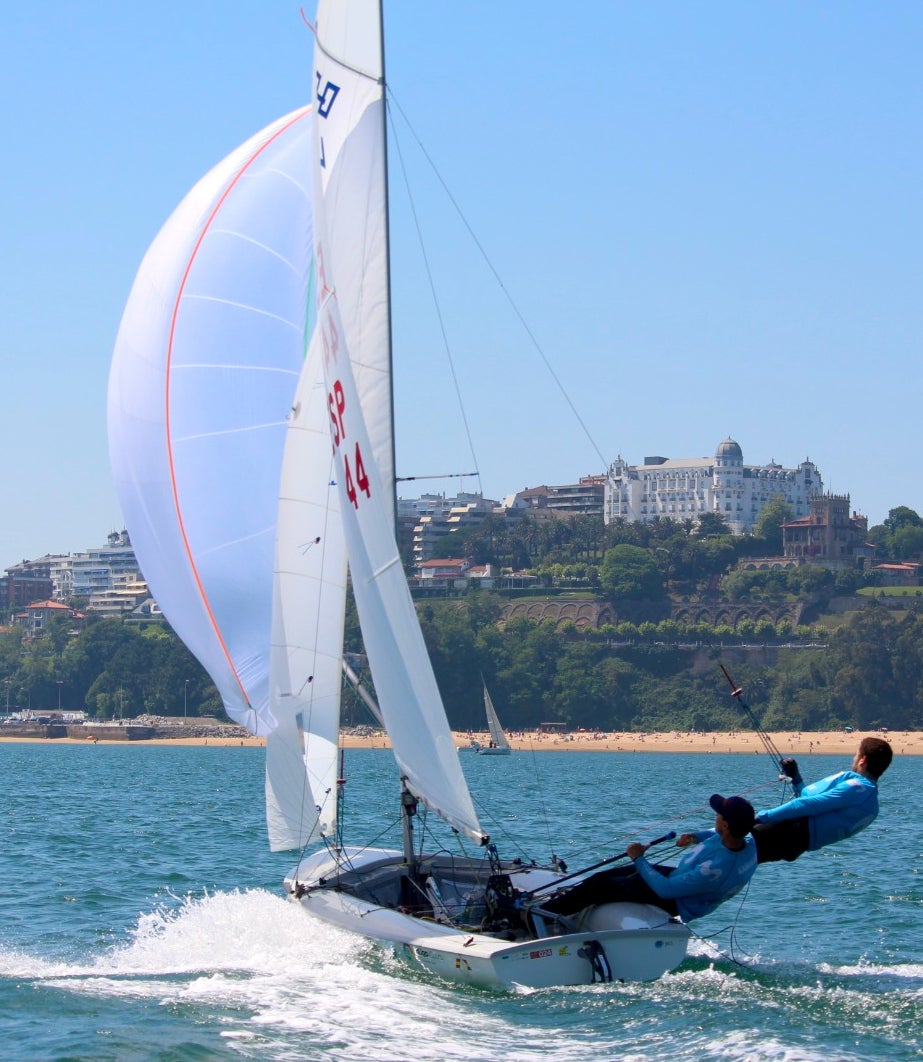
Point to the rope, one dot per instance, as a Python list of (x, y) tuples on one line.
[(732, 939), (337, 853), (497, 828), (657, 825), (432, 286), (767, 741), (392, 101), (541, 796)]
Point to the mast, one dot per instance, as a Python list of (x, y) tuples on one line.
[(408, 801), (408, 810), (390, 341)]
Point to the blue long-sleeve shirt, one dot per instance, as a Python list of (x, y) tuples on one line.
[(707, 874), (835, 807)]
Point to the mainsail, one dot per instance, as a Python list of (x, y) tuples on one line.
[(351, 184), (353, 325), (310, 582), (206, 362)]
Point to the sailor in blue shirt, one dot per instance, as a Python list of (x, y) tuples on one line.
[(717, 866), (826, 811)]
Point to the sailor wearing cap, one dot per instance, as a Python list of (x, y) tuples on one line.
[(717, 865)]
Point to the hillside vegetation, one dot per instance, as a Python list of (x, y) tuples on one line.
[(849, 660)]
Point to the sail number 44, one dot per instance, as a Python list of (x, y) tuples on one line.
[(355, 476)]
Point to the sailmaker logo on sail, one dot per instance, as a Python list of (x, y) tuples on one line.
[(325, 97)]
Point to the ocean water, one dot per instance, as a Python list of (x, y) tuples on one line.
[(141, 918)]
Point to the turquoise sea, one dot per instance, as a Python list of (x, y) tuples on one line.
[(141, 918)]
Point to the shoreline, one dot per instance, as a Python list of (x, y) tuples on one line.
[(789, 743)]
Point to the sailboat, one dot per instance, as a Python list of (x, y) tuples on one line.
[(249, 401), (499, 743), (454, 916)]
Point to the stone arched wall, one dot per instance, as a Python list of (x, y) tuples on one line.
[(589, 615), (585, 615)]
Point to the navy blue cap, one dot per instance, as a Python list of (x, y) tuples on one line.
[(736, 812)]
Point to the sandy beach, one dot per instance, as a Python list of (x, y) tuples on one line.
[(794, 743)]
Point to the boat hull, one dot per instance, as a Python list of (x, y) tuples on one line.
[(612, 942)]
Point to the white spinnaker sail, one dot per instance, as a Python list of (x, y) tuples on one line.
[(204, 372), (306, 658), (493, 723), (405, 685)]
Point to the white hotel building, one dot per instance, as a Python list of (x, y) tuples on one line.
[(684, 488)]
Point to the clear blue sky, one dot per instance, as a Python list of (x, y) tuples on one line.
[(709, 215)]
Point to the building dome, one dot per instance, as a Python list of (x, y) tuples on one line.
[(729, 448)]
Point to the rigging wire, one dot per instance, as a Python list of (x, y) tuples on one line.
[(545, 817), (498, 829), (657, 825), (767, 741), (509, 298), (730, 955), (432, 287)]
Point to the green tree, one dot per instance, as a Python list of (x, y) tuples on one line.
[(899, 536), (593, 689), (532, 655), (712, 525), (715, 555), (740, 585), (630, 573), (902, 516), (907, 542), (810, 579), (768, 526), (452, 647)]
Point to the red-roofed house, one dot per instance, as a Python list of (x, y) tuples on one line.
[(447, 568), (34, 619)]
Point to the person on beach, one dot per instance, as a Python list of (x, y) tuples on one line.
[(718, 865), (824, 812)]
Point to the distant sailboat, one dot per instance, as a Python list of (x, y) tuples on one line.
[(499, 743)]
